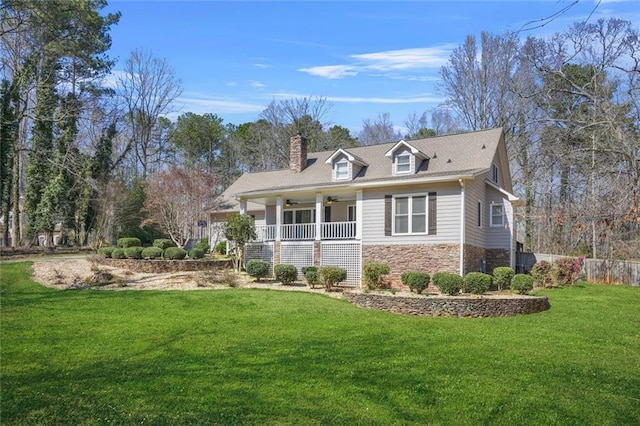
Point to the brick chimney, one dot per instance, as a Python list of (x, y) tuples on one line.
[(298, 153)]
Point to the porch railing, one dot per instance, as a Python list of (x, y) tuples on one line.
[(307, 231)]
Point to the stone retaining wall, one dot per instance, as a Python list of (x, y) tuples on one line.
[(461, 306), (160, 266)]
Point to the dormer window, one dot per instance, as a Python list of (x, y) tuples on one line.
[(342, 170), (403, 163), (406, 158)]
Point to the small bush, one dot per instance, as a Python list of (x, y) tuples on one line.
[(285, 273), (196, 253), (106, 251), (221, 247), (311, 275), (374, 273), (416, 281), (541, 274), (566, 271), (329, 276), (521, 283), (448, 283), (133, 252), (117, 253), (257, 268), (502, 277), (477, 282), (174, 253), (203, 245), (163, 243), (129, 242), (151, 252)]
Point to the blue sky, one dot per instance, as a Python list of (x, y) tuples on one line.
[(364, 57)]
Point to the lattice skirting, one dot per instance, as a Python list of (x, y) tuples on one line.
[(298, 254), (262, 251), (347, 255)]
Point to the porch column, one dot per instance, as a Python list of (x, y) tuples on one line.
[(319, 216), (278, 217), (243, 206), (359, 208)]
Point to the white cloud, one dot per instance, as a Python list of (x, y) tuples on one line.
[(390, 61), (201, 105), (256, 84), (232, 84), (422, 98), (261, 65)]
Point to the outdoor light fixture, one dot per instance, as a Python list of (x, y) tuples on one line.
[(287, 203), (330, 200)]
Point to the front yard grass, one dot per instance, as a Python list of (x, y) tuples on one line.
[(270, 357)]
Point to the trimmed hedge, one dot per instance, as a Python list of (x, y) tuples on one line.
[(106, 251), (151, 253), (175, 253), (196, 253), (203, 245), (163, 243), (118, 253), (448, 283), (133, 252), (257, 268), (126, 242), (285, 273), (331, 275), (477, 282), (311, 275), (416, 281), (521, 283), (374, 273), (221, 247), (502, 276)]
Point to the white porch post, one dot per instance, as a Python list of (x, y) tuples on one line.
[(319, 216), (463, 217), (278, 217), (359, 209), (243, 206)]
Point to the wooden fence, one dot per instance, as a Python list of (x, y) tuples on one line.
[(595, 270)]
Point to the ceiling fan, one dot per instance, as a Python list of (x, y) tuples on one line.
[(289, 203)]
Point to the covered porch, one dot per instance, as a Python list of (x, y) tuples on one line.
[(299, 216)]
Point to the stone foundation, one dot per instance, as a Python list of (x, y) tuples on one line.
[(428, 258), (160, 266), (497, 257), (462, 306), (472, 257)]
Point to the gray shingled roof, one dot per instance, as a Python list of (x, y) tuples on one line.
[(450, 156)]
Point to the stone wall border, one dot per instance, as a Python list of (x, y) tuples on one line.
[(452, 306), (157, 266)]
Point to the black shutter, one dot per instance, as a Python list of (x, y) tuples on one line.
[(433, 216), (387, 215)]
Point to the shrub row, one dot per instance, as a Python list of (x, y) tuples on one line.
[(328, 276), (565, 271), (130, 248)]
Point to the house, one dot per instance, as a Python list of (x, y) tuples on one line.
[(441, 204)]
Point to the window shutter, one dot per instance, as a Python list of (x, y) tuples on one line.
[(433, 217), (387, 215)]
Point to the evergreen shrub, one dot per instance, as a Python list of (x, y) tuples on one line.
[(203, 245), (174, 253), (502, 277), (117, 253), (448, 283), (329, 276), (129, 242), (522, 283), (151, 252), (285, 273), (196, 253), (257, 268), (163, 243), (477, 282), (374, 273), (311, 275), (106, 251), (221, 247), (133, 252), (416, 281)]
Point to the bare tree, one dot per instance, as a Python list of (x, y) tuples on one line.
[(380, 130), (148, 88)]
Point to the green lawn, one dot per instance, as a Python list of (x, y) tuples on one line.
[(268, 357)]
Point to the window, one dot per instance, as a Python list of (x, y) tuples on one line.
[(494, 173), (497, 215), (403, 163), (351, 213), (479, 214), (342, 170), (410, 215), (291, 217)]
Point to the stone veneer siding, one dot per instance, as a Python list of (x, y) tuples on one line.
[(428, 258), (472, 257), (487, 306), (160, 266), (497, 257)]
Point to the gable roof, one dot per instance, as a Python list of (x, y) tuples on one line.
[(352, 158), (449, 157), (415, 151)]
